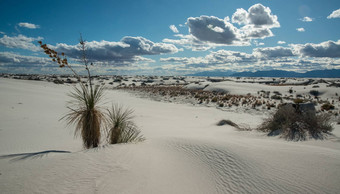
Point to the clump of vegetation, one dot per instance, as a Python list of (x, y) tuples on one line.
[(276, 97), (121, 128), (214, 99), (290, 90), (292, 124), (327, 107), (298, 100)]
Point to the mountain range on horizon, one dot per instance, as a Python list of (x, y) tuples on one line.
[(327, 73)]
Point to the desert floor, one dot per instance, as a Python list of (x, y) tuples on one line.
[(184, 150)]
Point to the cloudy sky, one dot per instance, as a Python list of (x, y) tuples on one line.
[(171, 37)]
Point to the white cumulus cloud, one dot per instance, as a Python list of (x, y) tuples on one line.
[(260, 15), (16, 60), (281, 42), (330, 49), (28, 25), (213, 29), (298, 57), (257, 20), (307, 19), (300, 29), (240, 16), (250, 32), (273, 52), (257, 15), (20, 41), (207, 32), (125, 52), (189, 42), (334, 14), (173, 28)]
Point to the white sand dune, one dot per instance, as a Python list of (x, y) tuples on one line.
[(185, 152), (254, 88)]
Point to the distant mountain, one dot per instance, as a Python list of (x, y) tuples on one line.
[(271, 73), (213, 73), (328, 73)]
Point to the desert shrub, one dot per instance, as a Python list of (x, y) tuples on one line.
[(276, 97), (120, 126), (290, 90), (327, 107), (226, 97), (298, 100), (58, 81), (214, 99), (295, 125)]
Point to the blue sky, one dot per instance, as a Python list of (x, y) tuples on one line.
[(172, 37)]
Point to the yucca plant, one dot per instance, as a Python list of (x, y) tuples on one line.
[(86, 114), (120, 126), (84, 110)]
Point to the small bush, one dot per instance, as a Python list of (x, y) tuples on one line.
[(214, 99), (121, 128), (290, 90), (298, 100), (276, 97), (293, 125), (327, 107)]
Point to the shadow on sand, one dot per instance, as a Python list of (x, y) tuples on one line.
[(32, 155)]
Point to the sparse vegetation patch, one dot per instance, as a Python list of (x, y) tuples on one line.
[(293, 124), (120, 127)]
